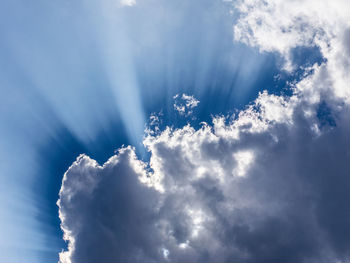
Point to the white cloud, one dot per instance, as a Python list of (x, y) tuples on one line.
[(185, 104), (270, 185), (280, 26), (127, 2), (243, 159)]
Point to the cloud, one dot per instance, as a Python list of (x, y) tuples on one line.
[(91, 201), (185, 104), (268, 185), (281, 26), (128, 2), (277, 194), (280, 211)]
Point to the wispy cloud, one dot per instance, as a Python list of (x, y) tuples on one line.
[(185, 104)]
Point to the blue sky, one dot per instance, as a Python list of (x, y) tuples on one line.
[(85, 76)]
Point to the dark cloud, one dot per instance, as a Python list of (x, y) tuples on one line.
[(270, 185), (110, 213), (290, 206)]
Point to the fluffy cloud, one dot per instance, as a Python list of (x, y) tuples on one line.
[(280, 26), (264, 195), (268, 185), (107, 217), (185, 104)]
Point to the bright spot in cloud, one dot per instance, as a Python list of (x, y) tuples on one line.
[(165, 252), (243, 159), (197, 217), (184, 245)]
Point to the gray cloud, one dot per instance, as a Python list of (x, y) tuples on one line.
[(289, 206), (270, 185)]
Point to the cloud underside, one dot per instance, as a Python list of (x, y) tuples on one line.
[(269, 185)]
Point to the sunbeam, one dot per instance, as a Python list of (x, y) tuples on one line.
[(83, 77)]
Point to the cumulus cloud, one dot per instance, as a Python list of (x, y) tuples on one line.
[(185, 104), (268, 185), (280, 26), (265, 195)]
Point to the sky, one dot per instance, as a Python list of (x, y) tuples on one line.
[(174, 131)]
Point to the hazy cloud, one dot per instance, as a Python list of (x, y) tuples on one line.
[(127, 2)]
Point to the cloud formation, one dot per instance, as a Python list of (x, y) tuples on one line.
[(268, 185), (281, 26), (201, 200), (185, 104)]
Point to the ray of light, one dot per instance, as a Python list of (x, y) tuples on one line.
[(82, 77)]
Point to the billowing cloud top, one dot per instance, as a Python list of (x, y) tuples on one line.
[(269, 185)]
